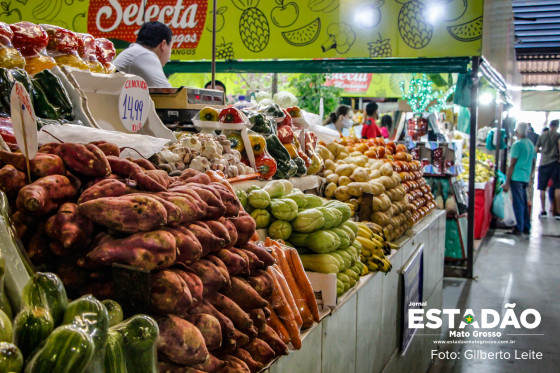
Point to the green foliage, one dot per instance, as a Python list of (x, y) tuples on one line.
[(310, 88)]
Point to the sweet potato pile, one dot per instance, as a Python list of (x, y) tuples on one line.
[(221, 302)]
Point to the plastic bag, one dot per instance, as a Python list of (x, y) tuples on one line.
[(498, 205), (509, 215), (134, 143), (31, 40), (63, 47), (9, 56), (105, 52), (87, 51)]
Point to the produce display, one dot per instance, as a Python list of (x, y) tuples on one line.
[(53, 334), (484, 168), (40, 47), (374, 247)]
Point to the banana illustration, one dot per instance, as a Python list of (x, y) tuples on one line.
[(47, 10), (323, 5)]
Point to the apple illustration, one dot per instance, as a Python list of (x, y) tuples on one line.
[(220, 20), (9, 15), (284, 15), (370, 15)]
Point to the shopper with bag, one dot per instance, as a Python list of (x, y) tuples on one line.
[(519, 172)]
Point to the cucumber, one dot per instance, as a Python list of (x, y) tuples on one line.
[(11, 359), (115, 361), (31, 327), (140, 335), (46, 290), (114, 310), (6, 331)]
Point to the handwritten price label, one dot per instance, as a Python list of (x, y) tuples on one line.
[(134, 103)]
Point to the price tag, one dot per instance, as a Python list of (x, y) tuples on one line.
[(23, 120), (134, 104)]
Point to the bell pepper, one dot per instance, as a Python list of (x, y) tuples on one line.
[(274, 111), (286, 170), (231, 115), (287, 118), (301, 169), (294, 111), (258, 144), (266, 166), (285, 133), (291, 148), (301, 154), (310, 142), (236, 141), (262, 124), (276, 149), (316, 164)]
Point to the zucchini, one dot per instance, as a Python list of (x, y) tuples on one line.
[(31, 327), (46, 290), (140, 334), (67, 350), (56, 93), (114, 310), (115, 361), (90, 315), (6, 331), (4, 302), (11, 359)]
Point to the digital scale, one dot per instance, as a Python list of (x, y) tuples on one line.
[(177, 106)]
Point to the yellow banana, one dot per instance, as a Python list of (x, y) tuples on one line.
[(364, 233), (372, 266), (393, 246), (365, 228), (365, 270), (377, 237), (366, 244)]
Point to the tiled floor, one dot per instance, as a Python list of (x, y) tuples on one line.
[(511, 269)]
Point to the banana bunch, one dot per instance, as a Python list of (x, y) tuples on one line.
[(374, 248)]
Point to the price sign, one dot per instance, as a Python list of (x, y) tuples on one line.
[(134, 104), (23, 120)]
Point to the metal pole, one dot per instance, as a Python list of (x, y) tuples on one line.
[(214, 16), (472, 165), (499, 113)]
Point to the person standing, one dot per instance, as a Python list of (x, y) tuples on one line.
[(340, 120), (518, 174), (532, 135), (386, 125), (370, 130), (148, 55), (548, 145)]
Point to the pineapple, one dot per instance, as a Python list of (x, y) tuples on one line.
[(413, 26), (224, 51), (253, 25), (380, 48)]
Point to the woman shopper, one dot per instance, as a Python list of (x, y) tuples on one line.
[(340, 120), (386, 125), (519, 172)]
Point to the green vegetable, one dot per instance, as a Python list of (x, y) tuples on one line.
[(342, 277), (284, 209), (344, 262), (261, 217), (322, 242), (6, 83), (4, 302), (31, 327), (286, 168), (55, 91), (67, 350), (301, 169), (11, 359), (342, 207), (308, 221), (313, 201), (43, 108), (275, 188), (115, 360), (46, 290), (242, 196), (350, 224), (140, 334), (114, 311), (262, 124), (323, 263), (90, 315), (280, 230), (253, 187), (21, 76), (298, 239), (258, 199), (329, 217), (348, 231), (299, 199), (288, 187), (344, 239), (6, 332)]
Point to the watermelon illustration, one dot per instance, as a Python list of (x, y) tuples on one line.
[(304, 35), (468, 31)]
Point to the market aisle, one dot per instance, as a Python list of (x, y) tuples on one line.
[(511, 270)]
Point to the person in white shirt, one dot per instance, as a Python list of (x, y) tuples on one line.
[(148, 55)]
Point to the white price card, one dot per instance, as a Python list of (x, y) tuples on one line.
[(23, 120), (134, 104)]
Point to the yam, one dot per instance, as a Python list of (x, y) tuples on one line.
[(69, 228), (244, 295), (87, 160), (180, 342), (45, 194), (169, 294), (209, 327)]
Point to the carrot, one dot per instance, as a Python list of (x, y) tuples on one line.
[(275, 323), (303, 281), (294, 287), (244, 178), (287, 294), (280, 304)]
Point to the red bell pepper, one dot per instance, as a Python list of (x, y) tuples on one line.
[(231, 115), (285, 133), (266, 166), (7, 130)]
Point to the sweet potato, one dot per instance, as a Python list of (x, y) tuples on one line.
[(241, 339), (188, 247), (230, 201), (222, 267), (260, 351), (87, 160), (253, 365), (230, 309), (180, 341), (50, 148), (103, 289), (227, 325), (46, 164), (108, 148), (11, 180), (37, 246), (273, 340), (212, 365), (69, 228), (254, 262), (245, 269), (128, 213), (231, 230), (144, 163), (261, 252), (210, 243), (169, 294), (228, 346), (234, 262), (174, 213), (72, 276), (146, 250), (262, 283), (193, 282), (165, 367), (245, 226), (74, 180), (104, 188), (193, 176), (219, 230), (125, 168), (211, 276), (244, 295), (22, 222), (45, 194), (215, 209), (191, 209), (235, 365), (259, 319), (209, 327), (160, 176)]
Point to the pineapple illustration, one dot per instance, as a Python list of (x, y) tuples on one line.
[(224, 51), (253, 25), (380, 48), (414, 28)]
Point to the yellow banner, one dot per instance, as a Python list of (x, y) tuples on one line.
[(283, 29)]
